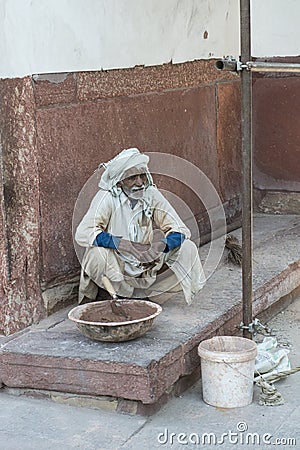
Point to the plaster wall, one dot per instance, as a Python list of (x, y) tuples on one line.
[(42, 36), (275, 28)]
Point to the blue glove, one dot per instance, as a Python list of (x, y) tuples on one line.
[(107, 240), (173, 240)]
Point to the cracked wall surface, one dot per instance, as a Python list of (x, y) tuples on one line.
[(20, 219), (56, 129)]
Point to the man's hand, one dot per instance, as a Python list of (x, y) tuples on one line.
[(147, 254), (133, 248)]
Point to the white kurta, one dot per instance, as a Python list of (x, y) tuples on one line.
[(115, 215)]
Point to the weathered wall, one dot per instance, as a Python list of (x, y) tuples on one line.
[(82, 35), (276, 136), (72, 122), (55, 129), (275, 28), (172, 109), (20, 301)]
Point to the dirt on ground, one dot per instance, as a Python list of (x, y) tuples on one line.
[(285, 327)]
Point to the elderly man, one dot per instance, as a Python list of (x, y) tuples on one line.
[(132, 234)]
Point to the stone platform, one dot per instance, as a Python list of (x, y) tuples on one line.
[(138, 376)]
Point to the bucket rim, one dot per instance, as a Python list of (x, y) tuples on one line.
[(243, 355)]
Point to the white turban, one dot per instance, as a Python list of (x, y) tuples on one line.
[(116, 167)]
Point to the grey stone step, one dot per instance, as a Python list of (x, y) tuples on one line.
[(55, 356)]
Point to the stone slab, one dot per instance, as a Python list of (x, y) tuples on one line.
[(280, 203), (141, 80), (276, 132), (55, 356), (20, 300), (30, 422), (53, 89), (229, 139)]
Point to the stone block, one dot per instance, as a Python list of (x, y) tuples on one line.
[(280, 203), (60, 292), (54, 89), (229, 139), (21, 303), (72, 141), (142, 80), (276, 112)]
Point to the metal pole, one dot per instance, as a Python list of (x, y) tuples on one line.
[(246, 79), (272, 67)]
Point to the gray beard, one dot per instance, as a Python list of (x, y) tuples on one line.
[(134, 193)]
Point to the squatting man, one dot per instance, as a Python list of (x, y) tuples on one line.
[(135, 237)]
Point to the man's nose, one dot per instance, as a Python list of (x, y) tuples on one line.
[(139, 180)]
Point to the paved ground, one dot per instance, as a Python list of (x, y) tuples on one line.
[(36, 424)]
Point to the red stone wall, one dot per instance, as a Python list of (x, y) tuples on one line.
[(20, 301), (66, 125), (276, 130)]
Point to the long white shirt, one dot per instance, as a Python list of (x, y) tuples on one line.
[(116, 216)]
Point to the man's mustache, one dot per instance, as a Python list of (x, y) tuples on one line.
[(137, 188)]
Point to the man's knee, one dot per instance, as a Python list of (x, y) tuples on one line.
[(97, 252), (189, 246), (94, 260)]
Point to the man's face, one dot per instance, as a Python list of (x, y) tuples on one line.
[(134, 183)]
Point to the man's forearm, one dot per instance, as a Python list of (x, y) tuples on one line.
[(143, 252), (107, 240)]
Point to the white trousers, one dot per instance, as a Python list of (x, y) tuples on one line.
[(186, 274)]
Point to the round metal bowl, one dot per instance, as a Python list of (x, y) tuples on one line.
[(85, 317)]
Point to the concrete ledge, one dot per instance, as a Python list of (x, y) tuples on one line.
[(141, 375), (60, 292), (108, 403), (279, 202)]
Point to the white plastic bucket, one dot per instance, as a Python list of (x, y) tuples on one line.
[(227, 369)]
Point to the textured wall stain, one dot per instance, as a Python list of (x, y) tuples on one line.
[(56, 130), (51, 77), (21, 304), (276, 132)]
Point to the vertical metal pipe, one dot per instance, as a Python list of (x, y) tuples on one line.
[(246, 80)]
